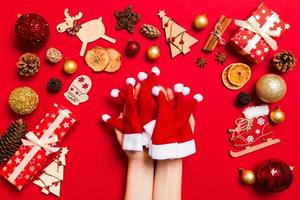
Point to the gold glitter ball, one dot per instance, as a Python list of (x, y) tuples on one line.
[(23, 100)]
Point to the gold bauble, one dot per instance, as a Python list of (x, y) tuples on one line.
[(23, 100), (153, 52), (277, 116), (200, 21), (247, 176), (70, 66), (270, 88)]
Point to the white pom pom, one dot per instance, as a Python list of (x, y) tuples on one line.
[(186, 91), (155, 90), (114, 92), (198, 97), (155, 70), (142, 76), (130, 81), (178, 87), (105, 117)]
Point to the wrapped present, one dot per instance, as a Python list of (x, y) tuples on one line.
[(257, 35), (37, 147)]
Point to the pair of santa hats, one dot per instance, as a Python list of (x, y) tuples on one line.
[(151, 120), (173, 136), (138, 112)]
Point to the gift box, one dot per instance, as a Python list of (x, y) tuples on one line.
[(258, 34), (39, 144)]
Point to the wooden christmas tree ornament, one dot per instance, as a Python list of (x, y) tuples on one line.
[(176, 36), (87, 32), (52, 176)]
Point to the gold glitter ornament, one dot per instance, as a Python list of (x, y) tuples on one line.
[(270, 88), (23, 100)]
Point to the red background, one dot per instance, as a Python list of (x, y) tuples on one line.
[(96, 166)]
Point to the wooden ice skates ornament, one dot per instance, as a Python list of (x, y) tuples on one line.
[(176, 36), (253, 132), (87, 32)]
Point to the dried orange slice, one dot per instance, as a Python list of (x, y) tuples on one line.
[(97, 58), (239, 74), (226, 81), (114, 63)]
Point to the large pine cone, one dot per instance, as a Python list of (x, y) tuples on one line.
[(150, 31), (11, 140), (28, 64), (284, 61)]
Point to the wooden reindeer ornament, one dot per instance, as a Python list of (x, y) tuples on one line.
[(86, 32)]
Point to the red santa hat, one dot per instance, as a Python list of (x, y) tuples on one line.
[(114, 122), (146, 102), (130, 125), (185, 137), (164, 140)]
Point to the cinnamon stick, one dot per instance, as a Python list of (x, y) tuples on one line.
[(216, 35)]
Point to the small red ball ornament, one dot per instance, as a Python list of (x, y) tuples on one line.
[(32, 31), (274, 176), (132, 48)]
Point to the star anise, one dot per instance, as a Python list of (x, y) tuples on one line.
[(221, 57), (201, 62), (127, 19)]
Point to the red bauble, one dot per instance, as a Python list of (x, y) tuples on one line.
[(132, 48), (274, 176), (32, 31)]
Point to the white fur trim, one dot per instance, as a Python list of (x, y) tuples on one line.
[(133, 142), (163, 151), (146, 139), (142, 76), (186, 91), (105, 117), (114, 92), (256, 111), (149, 127), (198, 97), (130, 81), (155, 90), (178, 87), (185, 149), (155, 70)]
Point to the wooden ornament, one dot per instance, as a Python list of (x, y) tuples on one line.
[(87, 32), (179, 41), (52, 176), (78, 90), (252, 132)]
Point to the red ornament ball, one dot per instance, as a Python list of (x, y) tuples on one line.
[(132, 48), (32, 31), (274, 176)]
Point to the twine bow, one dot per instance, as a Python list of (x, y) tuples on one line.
[(252, 25), (218, 33), (45, 143), (73, 30)]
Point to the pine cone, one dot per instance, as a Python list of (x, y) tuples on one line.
[(28, 64), (284, 61), (11, 140), (150, 31)]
